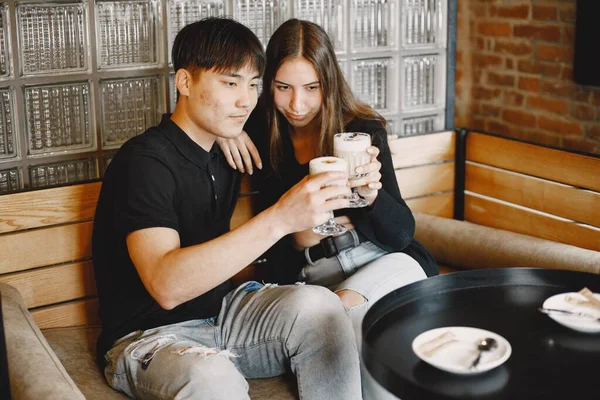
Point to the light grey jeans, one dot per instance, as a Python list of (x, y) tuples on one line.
[(261, 331), (366, 269)]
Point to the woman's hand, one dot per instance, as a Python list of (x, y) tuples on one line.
[(369, 185), (240, 152), (308, 238)]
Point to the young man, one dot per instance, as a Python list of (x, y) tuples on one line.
[(173, 325)]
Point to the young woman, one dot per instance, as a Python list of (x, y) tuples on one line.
[(305, 101)]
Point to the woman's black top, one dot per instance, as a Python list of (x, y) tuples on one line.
[(388, 223)]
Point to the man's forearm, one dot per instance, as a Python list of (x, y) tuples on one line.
[(186, 273)]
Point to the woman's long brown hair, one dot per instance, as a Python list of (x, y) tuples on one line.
[(298, 38)]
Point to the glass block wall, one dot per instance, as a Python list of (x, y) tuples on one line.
[(79, 78)]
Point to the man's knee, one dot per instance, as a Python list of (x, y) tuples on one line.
[(214, 377)]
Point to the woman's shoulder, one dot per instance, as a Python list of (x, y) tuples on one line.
[(364, 125)]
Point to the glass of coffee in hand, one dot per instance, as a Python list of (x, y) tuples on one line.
[(325, 164), (352, 147)]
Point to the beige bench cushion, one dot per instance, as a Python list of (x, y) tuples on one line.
[(76, 349), (466, 245)]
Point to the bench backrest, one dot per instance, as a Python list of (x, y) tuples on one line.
[(425, 169), (534, 190)]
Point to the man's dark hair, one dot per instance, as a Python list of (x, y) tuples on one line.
[(219, 44)]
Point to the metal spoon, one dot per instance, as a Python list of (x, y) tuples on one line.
[(486, 344)]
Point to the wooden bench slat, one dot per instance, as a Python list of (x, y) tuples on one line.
[(490, 213), (441, 205), (48, 246), (555, 165), (424, 149), (564, 201), (56, 284), (48, 207), (76, 313), (428, 179)]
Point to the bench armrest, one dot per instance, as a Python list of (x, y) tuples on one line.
[(34, 370), (465, 245)]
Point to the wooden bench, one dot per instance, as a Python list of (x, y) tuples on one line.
[(45, 235)]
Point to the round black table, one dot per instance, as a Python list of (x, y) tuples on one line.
[(548, 361)]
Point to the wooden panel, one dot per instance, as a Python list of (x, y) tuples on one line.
[(421, 181), (552, 198), (559, 166), (56, 284), (76, 313), (243, 211), (503, 216), (441, 205), (41, 247), (424, 149), (48, 207)]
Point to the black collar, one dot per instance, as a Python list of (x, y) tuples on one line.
[(186, 146)]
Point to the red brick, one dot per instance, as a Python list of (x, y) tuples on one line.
[(554, 53), (569, 35), (514, 47), (520, 118), (594, 132), (583, 94), (489, 110), (513, 99), (567, 73), (541, 137), (500, 79), (547, 32), (541, 103), (581, 144), (458, 75), (530, 84), (550, 69), (481, 93), (561, 89), (494, 29), (510, 63), (544, 13), (480, 43), (486, 60), (584, 112), (596, 97), (478, 124), (562, 127), (513, 12), (498, 128), (568, 14)]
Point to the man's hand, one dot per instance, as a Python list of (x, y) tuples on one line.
[(309, 202), (369, 185), (240, 152), (308, 238)]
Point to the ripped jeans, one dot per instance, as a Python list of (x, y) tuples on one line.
[(366, 269), (261, 331)]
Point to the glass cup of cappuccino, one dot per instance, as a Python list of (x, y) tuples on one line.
[(352, 147), (325, 164)]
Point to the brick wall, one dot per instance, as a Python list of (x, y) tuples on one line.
[(514, 66)]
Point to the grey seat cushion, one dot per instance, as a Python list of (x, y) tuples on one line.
[(76, 349)]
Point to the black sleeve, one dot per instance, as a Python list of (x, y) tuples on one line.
[(147, 194), (388, 222)]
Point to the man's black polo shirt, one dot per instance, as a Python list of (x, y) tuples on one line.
[(158, 179)]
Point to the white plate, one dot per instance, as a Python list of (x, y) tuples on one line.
[(574, 302), (454, 348)]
